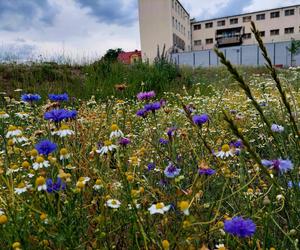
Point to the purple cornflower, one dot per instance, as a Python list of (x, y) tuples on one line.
[(58, 97), (240, 227), (152, 106), (171, 132), (151, 166), (277, 128), (206, 171), (163, 141), (145, 95), (171, 171), (142, 113), (200, 119), (279, 165), (55, 186), (45, 147), (30, 97), (124, 141), (57, 115)]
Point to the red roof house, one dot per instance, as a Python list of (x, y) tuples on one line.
[(130, 57)]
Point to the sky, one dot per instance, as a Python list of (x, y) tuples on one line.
[(84, 29)]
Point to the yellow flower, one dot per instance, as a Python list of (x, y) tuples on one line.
[(16, 245), (43, 216), (40, 159), (3, 219), (107, 143), (225, 148), (63, 151), (25, 164), (40, 181), (165, 244), (184, 207), (114, 127), (33, 152)]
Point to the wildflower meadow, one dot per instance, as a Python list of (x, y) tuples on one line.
[(170, 171)]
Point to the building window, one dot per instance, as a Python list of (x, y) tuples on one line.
[(246, 19), (197, 42), (209, 41), (221, 23), (260, 17), (289, 30), (262, 33), (247, 35), (289, 12), (274, 32), (275, 14), (197, 27), (208, 25), (173, 4), (176, 24), (173, 18), (234, 21)]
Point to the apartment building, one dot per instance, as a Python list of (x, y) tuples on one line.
[(163, 23), (275, 25), (167, 22)]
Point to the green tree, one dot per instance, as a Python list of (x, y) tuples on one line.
[(294, 49), (112, 55)]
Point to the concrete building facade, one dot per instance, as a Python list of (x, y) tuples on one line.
[(163, 23), (166, 22)]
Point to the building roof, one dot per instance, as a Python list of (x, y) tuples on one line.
[(126, 56), (244, 14)]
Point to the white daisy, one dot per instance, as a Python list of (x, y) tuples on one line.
[(19, 139), (225, 152), (159, 208), (108, 146), (22, 115), (113, 203), (3, 115), (40, 163), (116, 132), (22, 188), (13, 131), (98, 185), (63, 131)]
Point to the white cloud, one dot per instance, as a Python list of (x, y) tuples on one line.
[(257, 5)]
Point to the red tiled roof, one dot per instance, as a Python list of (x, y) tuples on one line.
[(126, 56)]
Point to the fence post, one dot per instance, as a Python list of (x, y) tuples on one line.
[(178, 59), (257, 55), (194, 60), (274, 59), (241, 55), (209, 63)]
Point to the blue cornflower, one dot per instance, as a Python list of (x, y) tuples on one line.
[(171, 171), (45, 147), (240, 227), (206, 171), (59, 97), (279, 165), (55, 186), (30, 97), (124, 141), (277, 128), (57, 115), (163, 141), (152, 106), (171, 132), (200, 119), (142, 113), (151, 166)]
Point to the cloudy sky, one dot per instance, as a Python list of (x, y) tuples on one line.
[(85, 29)]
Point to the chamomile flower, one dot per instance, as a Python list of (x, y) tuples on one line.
[(159, 208), (20, 139), (64, 154), (184, 207), (63, 131), (98, 185), (225, 152), (3, 115), (40, 183), (13, 131), (40, 162), (113, 203), (108, 146), (22, 115), (21, 188), (116, 132)]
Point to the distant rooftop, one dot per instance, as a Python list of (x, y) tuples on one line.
[(194, 21)]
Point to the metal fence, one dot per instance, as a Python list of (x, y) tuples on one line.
[(240, 55)]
